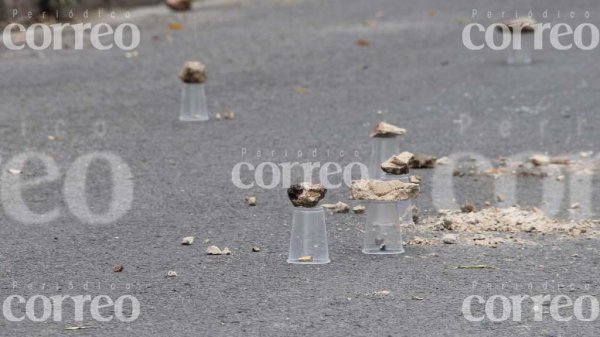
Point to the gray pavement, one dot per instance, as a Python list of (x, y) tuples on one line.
[(296, 80)]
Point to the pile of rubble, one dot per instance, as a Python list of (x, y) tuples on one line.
[(493, 226)]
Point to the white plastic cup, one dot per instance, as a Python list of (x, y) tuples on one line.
[(382, 149), (308, 242), (193, 103), (382, 230)]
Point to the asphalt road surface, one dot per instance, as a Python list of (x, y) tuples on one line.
[(297, 80)]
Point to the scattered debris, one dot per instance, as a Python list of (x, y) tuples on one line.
[(132, 54), (414, 179), (255, 249), (171, 273), (214, 250), (179, 5), (505, 220), (417, 240), (468, 207), (218, 116), (80, 327), (539, 160), (306, 258), (386, 130), (443, 161), (360, 209), (477, 266), (491, 241), (193, 72), (341, 207), (206, 241), (398, 164), (381, 293), (14, 171), (328, 206), (117, 268), (388, 190), (306, 194), (228, 114), (175, 26), (363, 43), (188, 240), (417, 298), (251, 201), (450, 239), (575, 206), (422, 161)]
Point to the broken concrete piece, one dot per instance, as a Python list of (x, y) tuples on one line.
[(443, 161), (398, 164), (251, 201), (539, 160), (341, 207), (421, 161), (214, 250), (450, 239), (171, 273), (414, 179), (255, 249), (188, 240), (193, 72), (328, 206), (388, 190), (360, 209), (386, 130), (306, 194)]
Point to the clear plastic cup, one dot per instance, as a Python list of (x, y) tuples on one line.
[(382, 230), (308, 242), (405, 207), (193, 103), (381, 150), (520, 55)]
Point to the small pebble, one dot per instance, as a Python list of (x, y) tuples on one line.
[(450, 239), (171, 273), (341, 207), (118, 268), (188, 240), (307, 258), (251, 201), (360, 209)]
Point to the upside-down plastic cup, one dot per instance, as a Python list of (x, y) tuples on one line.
[(382, 230), (381, 150), (405, 207), (308, 242), (520, 55), (193, 103)]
